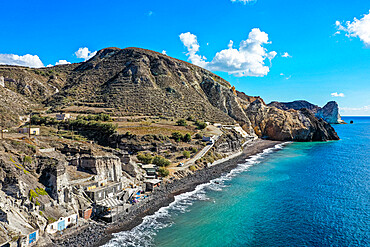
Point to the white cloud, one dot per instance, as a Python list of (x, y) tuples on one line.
[(244, 1), (286, 77), (353, 111), (84, 53), (286, 54), (61, 62), (337, 94), (164, 52), (248, 60), (190, 41), (357, 28), (27, 60), (150, 13)]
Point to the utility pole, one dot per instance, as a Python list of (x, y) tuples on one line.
[(29, 127)]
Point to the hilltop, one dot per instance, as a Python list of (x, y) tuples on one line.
[(139, 82)]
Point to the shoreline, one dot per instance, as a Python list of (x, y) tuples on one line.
[(97, 234)]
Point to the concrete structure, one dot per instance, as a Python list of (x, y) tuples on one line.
[(62, 223), (86, 213), (151, 184), (208, 138), (109, 190), (151, 170), (25, 130), (63, 116)]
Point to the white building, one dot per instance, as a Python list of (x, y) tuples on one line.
[(26, 130), (62, 223), (30, 239), (63, 116)]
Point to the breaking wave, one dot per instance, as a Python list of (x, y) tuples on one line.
[(143, 234)]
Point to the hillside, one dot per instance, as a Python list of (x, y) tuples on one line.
[(134, 81)]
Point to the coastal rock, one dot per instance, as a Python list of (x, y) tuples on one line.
[(330, 112), (291, 125)]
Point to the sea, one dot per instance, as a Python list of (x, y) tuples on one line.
[(295, 194)]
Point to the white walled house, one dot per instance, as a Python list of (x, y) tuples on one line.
[(62, 223)]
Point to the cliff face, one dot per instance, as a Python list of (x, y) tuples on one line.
[(291, 125), (330, 112)]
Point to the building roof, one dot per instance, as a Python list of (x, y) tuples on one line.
[(153, 181), (110, 203), (109, 184), (150, 166)]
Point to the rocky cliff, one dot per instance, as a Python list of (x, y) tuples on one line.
[(330, 112), (291, 125)]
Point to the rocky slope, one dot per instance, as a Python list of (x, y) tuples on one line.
[(330, 112), (135, 81)]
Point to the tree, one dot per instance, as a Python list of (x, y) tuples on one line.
[(177, 136), (198, 136), (161, 161), (181, 122), (186, 154), (145, 158), (163, 172), (187, 137), (190, 118), (200, 125)]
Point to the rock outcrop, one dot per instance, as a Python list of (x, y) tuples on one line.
[(291, 125), (330, 112)]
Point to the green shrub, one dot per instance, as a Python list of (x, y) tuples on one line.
[(145, 158), (194, 150), (198, 136), (163, 172), (32, 194), (27, 160), (190, 118), (41, 191), (200, 125), (192, 168), (186, 154), (161, 161), (187, 137), (177, 136), (181, 122)]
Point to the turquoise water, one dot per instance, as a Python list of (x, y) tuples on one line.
[(304, 194)]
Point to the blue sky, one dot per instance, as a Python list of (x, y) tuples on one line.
[(321, 62)]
